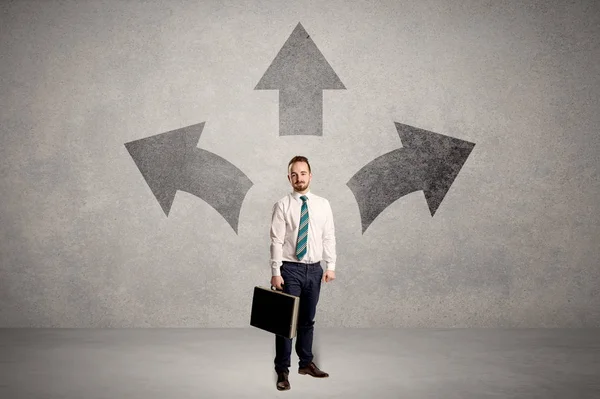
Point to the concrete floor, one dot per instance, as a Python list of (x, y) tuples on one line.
[(238, 363)]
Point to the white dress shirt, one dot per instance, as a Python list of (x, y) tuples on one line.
[(284, 231)]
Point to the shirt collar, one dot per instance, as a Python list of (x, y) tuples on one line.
[(297, 195)]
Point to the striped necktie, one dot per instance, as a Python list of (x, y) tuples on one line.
[(302, 230)]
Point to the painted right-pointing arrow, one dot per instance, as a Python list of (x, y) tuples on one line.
[(300, 73), (428, 161)]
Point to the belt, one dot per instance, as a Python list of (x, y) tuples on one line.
[(303, 264)]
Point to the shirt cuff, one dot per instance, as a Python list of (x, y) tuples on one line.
[(275, 269)]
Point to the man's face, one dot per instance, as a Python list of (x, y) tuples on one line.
[(299, 177)]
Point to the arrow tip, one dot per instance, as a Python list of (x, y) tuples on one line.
[(300, 65), (444, 156), (161, 158)]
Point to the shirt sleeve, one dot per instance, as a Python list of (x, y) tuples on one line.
[(329, 254), (277, 238)]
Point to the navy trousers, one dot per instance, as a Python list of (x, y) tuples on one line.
[(304, 281)]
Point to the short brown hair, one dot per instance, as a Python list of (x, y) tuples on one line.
[(299, 158)]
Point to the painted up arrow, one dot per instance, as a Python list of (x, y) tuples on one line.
[(428, 161), (171, 161), (300, 73)]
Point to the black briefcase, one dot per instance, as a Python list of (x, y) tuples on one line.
[(274, 311)]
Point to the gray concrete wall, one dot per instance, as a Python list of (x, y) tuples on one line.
[(84, 242)]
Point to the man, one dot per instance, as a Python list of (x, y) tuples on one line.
[(302, 235)]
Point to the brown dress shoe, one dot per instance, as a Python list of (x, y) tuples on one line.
[(313, 370), (282, 382)]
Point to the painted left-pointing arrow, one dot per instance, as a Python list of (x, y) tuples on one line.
[(171, 161)]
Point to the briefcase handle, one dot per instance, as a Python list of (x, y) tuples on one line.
[(275, 288)]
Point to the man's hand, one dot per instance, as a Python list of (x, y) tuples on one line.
[(277, 282), (329, 276)]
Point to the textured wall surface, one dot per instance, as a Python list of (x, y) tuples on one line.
[(84, 242)]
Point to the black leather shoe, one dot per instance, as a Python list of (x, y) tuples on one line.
[(282, 382), (313, 370)]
